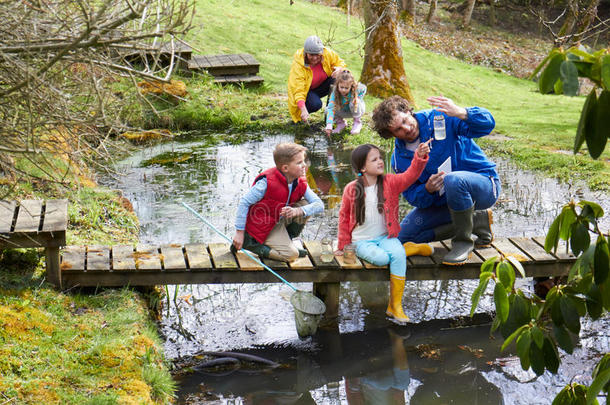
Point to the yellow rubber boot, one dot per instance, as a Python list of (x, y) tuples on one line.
[(395, 311), (418, 249)]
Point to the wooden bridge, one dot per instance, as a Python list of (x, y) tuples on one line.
[(43, 224)]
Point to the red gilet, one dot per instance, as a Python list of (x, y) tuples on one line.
[(393, 185), (263, 215)]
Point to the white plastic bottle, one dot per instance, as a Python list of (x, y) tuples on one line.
[(439, 126)]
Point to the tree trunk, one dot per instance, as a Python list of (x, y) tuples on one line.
[(586, 19), (383, 71), (431, 11), (492, 13), (468, 12), (409, 7)]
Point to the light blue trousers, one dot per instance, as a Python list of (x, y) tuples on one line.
[(383, 250)]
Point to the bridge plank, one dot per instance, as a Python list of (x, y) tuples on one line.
[(439, 252), (275, 264), (73, 258), (147, 257), (222, 256), (246, 262), (98, 258), (487, 252), (315, 251), (173, 258), (123, 258), (302, 263), (341, 260), (371, 266), (7, 212), (508, 249), (534, 250), (28, 218), (198, 257), (561, 253), (55, 216)]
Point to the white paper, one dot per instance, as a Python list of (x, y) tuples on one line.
[(444, 167)]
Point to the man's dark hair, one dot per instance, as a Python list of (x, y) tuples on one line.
[(384, 114)]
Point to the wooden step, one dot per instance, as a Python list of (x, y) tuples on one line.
[(225, 64), (245, 80)]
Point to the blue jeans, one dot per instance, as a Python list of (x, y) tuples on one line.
[(463, 189), (383, 250), (313, 102)]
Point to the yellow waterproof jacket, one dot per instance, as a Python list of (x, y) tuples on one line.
[(299, 79)]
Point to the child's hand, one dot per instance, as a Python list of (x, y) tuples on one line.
[(328, 131), (290, 212), (238, 239), (304, 115), (424, 148)]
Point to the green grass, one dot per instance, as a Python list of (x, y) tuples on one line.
[(96, 347), (539, 127)]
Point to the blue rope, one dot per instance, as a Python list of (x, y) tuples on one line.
[(241, 250)]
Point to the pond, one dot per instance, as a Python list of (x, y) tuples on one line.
[(442, 357)]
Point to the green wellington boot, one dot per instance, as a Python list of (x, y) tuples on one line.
[(462, 244), (442, 232), (481, 227)]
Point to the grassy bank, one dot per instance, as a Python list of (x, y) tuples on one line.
[(538, 130), (77, 347)]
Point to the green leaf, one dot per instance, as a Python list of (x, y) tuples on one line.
[(563, 338), (568, 73), (552, 237), (584, 68), (501, 301), (605, 72), (598, 211), (512, 337), (601, 262), (588, 120), (568, 217), (488, 265), (544, 61), (564, 397), (597, 385), (506, 274), (551, 358), (478, 292), (580, 239), (596, 142), (550, 74), (536, 359), (537, 336), (523, 349), (594, 302), (558, 87), (605, 292), (569, 314), (517, 264), (602, 365), (556, 315)]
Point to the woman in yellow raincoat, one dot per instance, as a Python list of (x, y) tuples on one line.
[(311, 75)]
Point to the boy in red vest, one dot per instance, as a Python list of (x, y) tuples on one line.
[(276, 207)]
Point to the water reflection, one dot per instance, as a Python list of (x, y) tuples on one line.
[(212, 178), (424, 364)]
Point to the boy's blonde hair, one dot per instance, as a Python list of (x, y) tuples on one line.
[(284, 153)]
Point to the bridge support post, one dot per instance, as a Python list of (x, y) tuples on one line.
[(329, 293), (53, 267)]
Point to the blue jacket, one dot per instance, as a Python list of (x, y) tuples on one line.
[(465, 154)]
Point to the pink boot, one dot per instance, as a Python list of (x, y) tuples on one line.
[(340, 126), (357, 126)]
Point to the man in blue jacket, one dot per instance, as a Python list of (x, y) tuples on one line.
[(452, 204)]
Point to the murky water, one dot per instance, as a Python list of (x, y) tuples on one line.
[(366, 360)]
